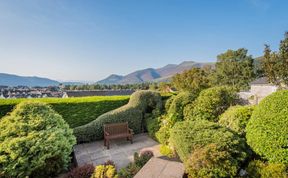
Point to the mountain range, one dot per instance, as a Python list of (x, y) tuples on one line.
[(146, 75), (15, 80), (150, 74)]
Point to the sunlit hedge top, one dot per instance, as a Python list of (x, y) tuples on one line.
[(267, 130)]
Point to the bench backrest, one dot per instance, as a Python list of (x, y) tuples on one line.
[(116, 128)]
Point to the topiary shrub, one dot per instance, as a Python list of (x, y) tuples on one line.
[(236, 118), (35, 141), (267, 130), (188, 135), (167, 151), (211, 103), (140, 102), (211, 161), (257, 168)]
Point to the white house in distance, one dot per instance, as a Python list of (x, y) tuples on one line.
[(259, 89)]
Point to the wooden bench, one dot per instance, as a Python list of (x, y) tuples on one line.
[(117, 130)]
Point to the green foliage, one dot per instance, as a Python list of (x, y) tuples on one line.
[(141, 102), (75, 111), (275, 64), (167, 151), (211, 161), (34, 141), (152, 123), (163, 134), (187, 135), (211, 103), (234, 68), (193, 80), (267, 130), (104, 171), (175, 111), (236, 118), (258, 169), (139, 161)]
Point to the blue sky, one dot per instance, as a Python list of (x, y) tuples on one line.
[(90, 39)]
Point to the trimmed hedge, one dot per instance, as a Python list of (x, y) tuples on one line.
[(257, 168), (211, 103), (35, 141), (267, 130), (140, 102), (75, 111), (188, 135), (236, 118)]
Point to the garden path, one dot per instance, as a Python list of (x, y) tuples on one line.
[(121, 151)]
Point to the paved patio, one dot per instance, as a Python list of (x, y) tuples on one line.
[(121, 151)]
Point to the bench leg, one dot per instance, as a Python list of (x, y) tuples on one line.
[(108, 144), (104, 142), (131, 139)]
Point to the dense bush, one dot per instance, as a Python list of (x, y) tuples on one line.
[(152, 124), (211, 161), (35, 141), (267, 130), (84, 171), (258, 168), (236, 118), (139, 103), (175, 111), (211, 103), (188, 135), (163, 134), (75, 111)]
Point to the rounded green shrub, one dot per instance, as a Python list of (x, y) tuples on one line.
[(140, 102), (236, 118), (211, 161), (34, 141), (211, 103), (257, 168), (267, 130), (188, 135), (175, 111)]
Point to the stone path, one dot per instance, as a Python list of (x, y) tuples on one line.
[(161, 168), (121, 151)]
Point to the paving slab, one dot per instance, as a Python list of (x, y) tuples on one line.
[(121, 151)]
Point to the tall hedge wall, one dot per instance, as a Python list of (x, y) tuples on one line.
[(75, 111), (140, 102)]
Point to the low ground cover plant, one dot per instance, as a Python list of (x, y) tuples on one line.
[(35, 141), (133, 168), (258, 168), (84, 171), (75, 111)]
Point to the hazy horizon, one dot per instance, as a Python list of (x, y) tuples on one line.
[(70, 40)]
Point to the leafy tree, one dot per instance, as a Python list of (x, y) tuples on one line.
[(269, 64), (234, 68), (193, 80), (283, 60)]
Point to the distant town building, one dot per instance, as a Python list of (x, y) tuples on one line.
[(259, 89), (83, 93)]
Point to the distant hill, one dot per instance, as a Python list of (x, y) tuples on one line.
[(151, 75), (15, 80)]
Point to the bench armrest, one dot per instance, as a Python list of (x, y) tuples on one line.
[(130, 131), (106, 133)]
